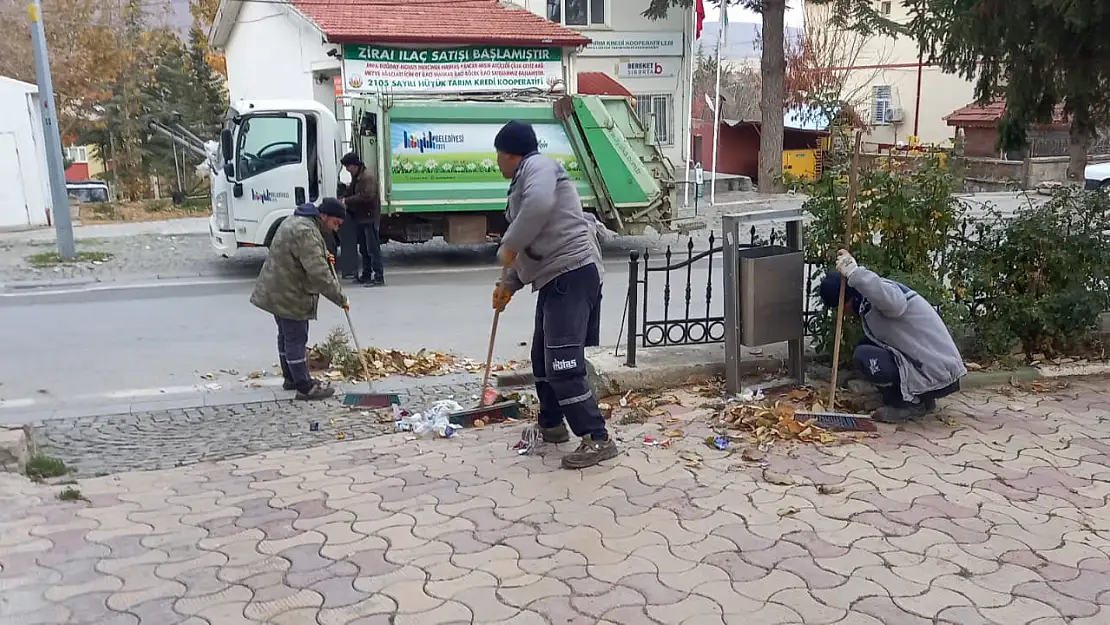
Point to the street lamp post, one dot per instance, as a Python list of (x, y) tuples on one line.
[(63, 223)]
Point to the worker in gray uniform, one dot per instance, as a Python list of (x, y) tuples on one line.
[(551, 245)]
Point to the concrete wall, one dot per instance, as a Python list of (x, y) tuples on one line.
[(273, 52), (993, 174), (893, 62), (24, 181)]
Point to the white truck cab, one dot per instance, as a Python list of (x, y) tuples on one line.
[(273, 156)]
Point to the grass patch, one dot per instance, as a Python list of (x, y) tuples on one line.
[(41, 467), (50, 259), (71, 493)]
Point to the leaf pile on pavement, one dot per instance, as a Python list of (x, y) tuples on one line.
[(770, 420), (341, 361)]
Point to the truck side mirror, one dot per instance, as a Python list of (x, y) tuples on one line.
[(225, 144), (229, 170)]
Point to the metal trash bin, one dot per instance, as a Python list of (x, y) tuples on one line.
[(772, 298)]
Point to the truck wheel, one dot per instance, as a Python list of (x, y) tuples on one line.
[(272, 232)]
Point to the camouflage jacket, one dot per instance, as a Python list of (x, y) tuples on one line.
[(296, 271)]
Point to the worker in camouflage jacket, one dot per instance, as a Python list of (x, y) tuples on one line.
[(296, 273)]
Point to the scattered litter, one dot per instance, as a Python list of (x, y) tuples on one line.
[(435, 420), (789, 511), (720, 443), (341, 436), (691, 459), (651, 442), (314, 426), (530, 438), (674, 433), (213, 386), (830, 489), (208, 376)]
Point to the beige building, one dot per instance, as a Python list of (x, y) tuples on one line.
[(895, 94)]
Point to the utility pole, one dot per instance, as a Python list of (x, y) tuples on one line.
[(52, 139)]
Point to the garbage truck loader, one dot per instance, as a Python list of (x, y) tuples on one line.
[(435, 164)]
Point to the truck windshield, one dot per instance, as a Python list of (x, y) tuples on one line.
[(88, 195), (267, 142)]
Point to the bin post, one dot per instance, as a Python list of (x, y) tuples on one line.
[(796, 364), (633, 306), (731, 275)]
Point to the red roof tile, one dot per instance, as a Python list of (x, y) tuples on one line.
[(987, 115), (598, 83), (466, 22)]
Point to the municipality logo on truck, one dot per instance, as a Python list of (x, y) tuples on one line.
[(427, 141)]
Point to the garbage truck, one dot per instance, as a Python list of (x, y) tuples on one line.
[(434, 162)]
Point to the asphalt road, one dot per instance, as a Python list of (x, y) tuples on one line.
[(127, 341)]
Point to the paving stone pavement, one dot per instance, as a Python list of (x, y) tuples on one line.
[(170, 438), (996, 514)]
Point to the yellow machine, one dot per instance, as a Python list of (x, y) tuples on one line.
[(802, 164)]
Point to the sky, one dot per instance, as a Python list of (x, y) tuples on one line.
[(740, 14)]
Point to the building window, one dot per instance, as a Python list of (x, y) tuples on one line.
[(659, 105), (576, 12), (884, 6), (881, 103), (77, 154)]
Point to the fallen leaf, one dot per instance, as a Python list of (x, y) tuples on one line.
[(779, 479), (674, 433), (830, 489), (790, 511), (752, 454)]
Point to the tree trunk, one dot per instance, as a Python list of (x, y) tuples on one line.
[(773, 70), (1079, 142)]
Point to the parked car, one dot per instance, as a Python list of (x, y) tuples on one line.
[(1097, 176), (88, 192)]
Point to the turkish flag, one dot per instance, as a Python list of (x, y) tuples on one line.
[(699, 12)]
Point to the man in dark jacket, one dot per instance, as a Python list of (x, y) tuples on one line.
[(293, 277), (364, 206), (551, 244), (907, 350)]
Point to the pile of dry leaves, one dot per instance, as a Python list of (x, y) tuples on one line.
[(768, 420), (340, 361)]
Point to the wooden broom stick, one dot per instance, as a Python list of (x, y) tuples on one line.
[(849, 214)]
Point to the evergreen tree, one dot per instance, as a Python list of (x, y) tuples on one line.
[(1037, 56)]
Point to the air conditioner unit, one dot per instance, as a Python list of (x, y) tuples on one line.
[(893, 116)]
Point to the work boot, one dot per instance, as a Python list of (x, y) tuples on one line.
[(365, 278), (900, 414), (590, 452), (288, 385), (555, 435), (378, 281), (317, 391)]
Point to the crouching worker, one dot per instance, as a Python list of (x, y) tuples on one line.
[(907, 351), (551, 245), (296, 273)]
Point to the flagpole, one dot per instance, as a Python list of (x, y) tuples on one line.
[(688, 150), (717, 109)]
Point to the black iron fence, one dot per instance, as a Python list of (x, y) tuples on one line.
[(684, 311)]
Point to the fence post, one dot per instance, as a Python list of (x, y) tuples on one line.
[(633, 305)]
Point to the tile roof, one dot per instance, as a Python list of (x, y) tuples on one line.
[(462, 22), (598, 83), (987, 115)]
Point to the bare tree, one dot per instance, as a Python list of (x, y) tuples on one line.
[(740, 87), (830, 70)]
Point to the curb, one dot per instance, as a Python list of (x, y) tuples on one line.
[(605, 383), (28, 285)]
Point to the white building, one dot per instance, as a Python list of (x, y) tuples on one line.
[(24, 183), (900, 96), (293, 50)]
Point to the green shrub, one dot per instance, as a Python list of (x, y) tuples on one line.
[(1038, 280)]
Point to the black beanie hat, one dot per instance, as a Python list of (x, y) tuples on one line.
[(350, 158), (516, 138), (332, 208), (829, 290)]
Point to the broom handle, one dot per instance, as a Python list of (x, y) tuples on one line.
[(493, 334), (351, 327), (850, 210)]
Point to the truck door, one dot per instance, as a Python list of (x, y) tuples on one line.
[(271, 166)]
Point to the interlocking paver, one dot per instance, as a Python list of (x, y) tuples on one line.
[(998, 520)]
